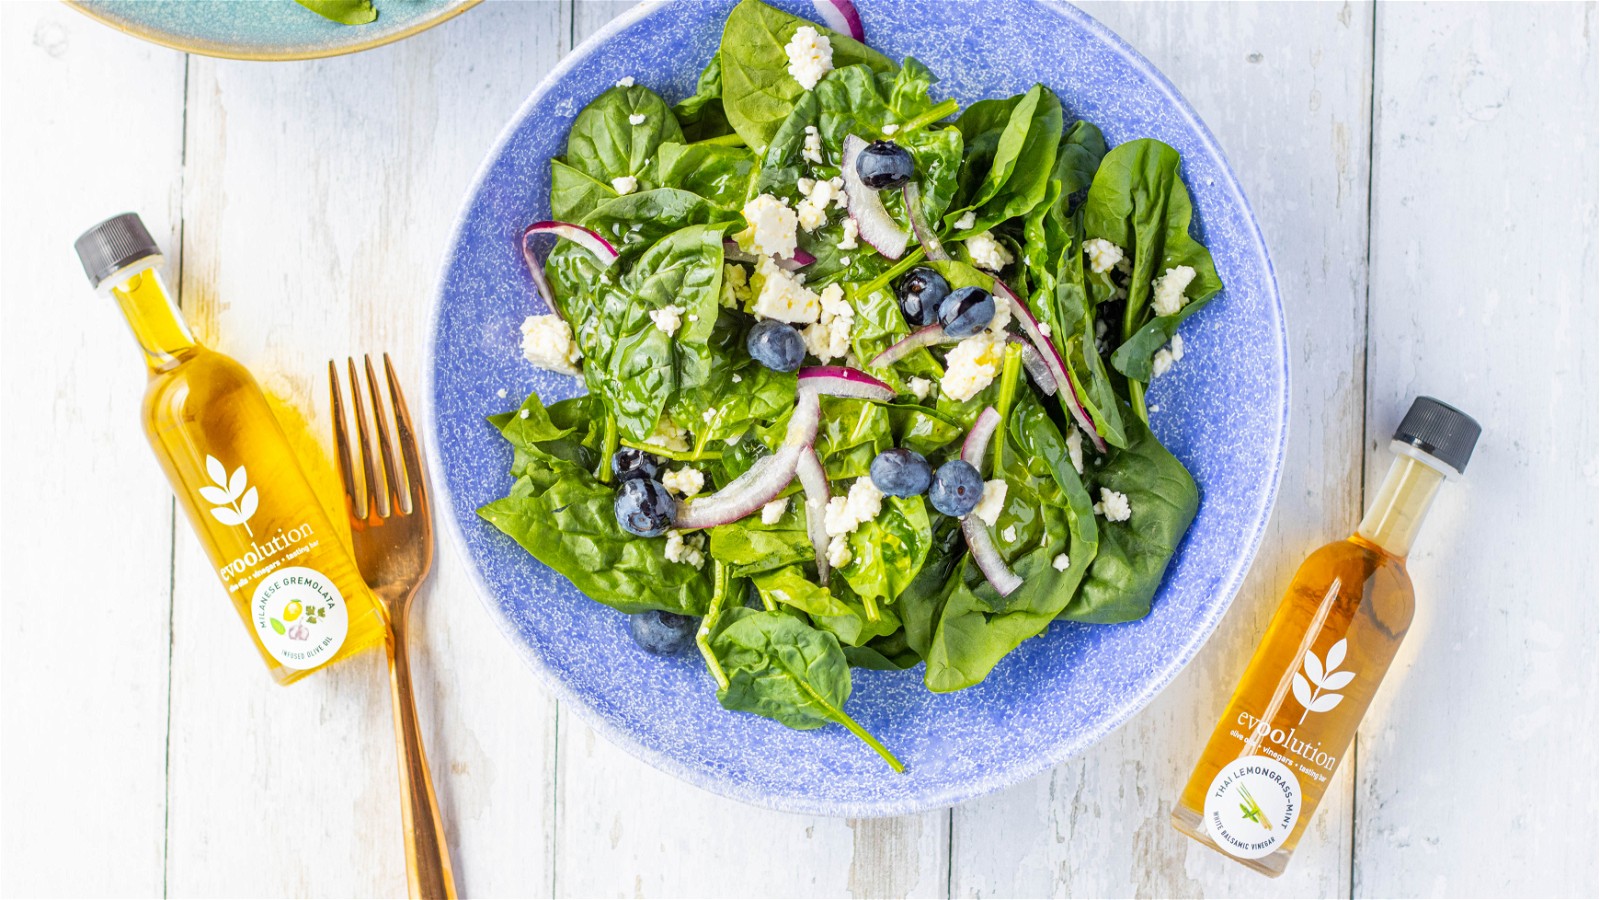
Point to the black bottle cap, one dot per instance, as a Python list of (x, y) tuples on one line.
[(1441, 431), (113, 245)]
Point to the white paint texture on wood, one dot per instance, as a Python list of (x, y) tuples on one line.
[(1098, 825), (1477, 763), (313, 201)]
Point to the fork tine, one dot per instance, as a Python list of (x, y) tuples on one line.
[(341, 440), (407, 435), (392, 504), (370, 505)]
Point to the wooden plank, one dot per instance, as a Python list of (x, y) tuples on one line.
[(1285, 88), (625, 829), (320, 196), (94, 128), (1476, 763)]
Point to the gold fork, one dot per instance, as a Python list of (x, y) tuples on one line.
[(392, 536)]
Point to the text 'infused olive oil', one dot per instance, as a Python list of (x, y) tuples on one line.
[(1294, 714), (235, 473)]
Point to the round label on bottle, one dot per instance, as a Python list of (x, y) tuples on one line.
[(1252, 806), (300, 616)]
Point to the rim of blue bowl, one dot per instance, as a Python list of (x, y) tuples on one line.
[(972, 788)]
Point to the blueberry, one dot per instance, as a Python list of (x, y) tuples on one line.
[(957, 488), (628, 463), (966, 312), (663, 633), (776, 345), (900, 472), (884, 164), (920, 293), (644, 507)]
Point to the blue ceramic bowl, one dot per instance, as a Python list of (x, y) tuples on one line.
[(265, 29), (1223, 411)]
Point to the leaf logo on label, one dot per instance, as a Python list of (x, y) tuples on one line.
[(1315, 688), (232, 499)]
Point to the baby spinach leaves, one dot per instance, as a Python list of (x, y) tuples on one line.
[(617, 134)]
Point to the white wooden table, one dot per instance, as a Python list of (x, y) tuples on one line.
[(1426, 177)]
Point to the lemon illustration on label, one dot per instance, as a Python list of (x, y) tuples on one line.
[(292, 611)]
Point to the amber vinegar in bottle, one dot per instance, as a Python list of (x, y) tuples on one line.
[(1296, 709), (235, 473)]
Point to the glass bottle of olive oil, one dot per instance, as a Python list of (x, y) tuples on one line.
[(1296, 708), (235, 473)]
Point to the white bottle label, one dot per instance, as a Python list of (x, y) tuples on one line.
[(300, 616), (1252, 806)]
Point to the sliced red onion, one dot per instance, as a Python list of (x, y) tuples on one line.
[(799, 261), (541, 282), (873, 222), (815, 481), (974, 450), (841, 16), (583, 237), (926, 336), (761, 483), (1052, 359), (843, 381), (733, 251), (927, 237), (1035, 364)]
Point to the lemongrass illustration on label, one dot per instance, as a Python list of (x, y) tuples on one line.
[(232, 499), (1314, 689)]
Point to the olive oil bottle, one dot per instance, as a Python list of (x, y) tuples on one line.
[(1295, 711), (235, 473)]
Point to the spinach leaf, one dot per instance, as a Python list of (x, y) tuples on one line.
[(1133, 555), (717, 172), (851, 433), (790, 586), (887, 552), (605, 144), (345, 12), (573, 194), (1138, 202), (751, 547), (782, 669), (1011, 150), (701, 115), (1074, 327), (635, 222), (758, 91)]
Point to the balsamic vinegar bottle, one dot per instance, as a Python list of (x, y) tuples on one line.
[(1297, 707)]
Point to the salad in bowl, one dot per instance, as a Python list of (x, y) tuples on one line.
[(865, 370)]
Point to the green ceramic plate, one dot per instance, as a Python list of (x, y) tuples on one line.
[(265, 29)]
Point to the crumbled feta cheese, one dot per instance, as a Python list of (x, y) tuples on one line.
[(686, 481), (735, 287), (625, 81), (772, 226), (624, 184), (988, 253), (1102, 254), (1075, 448), (811, 216), (1114, 506), (1167, 292), (500, 393), (1010, 534), (966, 221), (1061, 563), (523, 414), (1099, 328), (813, 208), (845, 514), (839, 551), (829, 338), (1161, 363), (772, 512), (1176, 346), (840, 199), (919, 387), (785, 297), (851, 232), (668, 436), (547, 343), (636, 119), (804, 185), (993, 502), (737, 378), (971, 365), (890, 128), (844, 261), (667, 319), (1044, 329), (813, 145), (708, 416), (810, 56), (688, 551)]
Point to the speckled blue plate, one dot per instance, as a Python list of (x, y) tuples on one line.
[(265, 29), (1223, 411)]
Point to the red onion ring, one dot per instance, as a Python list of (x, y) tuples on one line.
[(815, 482), (583, 237), (1052, 359), (873, 222), (841, 16), (927, 237), (843, 381), (974, 450), (926, 336)]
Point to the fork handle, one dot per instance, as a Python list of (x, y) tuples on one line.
[(428, 871)]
